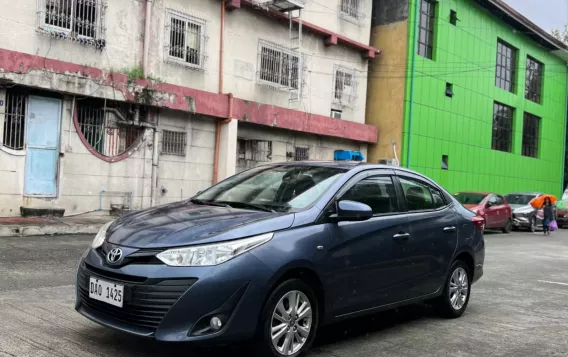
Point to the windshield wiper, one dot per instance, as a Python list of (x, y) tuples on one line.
[(248, 205), (208, 203)]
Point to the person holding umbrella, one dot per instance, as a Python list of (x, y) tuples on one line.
[(548, 211)]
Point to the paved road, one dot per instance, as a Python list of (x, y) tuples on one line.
[(519, 308)]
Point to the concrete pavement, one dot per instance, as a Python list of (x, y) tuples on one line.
[(89, 223), (518, 309)]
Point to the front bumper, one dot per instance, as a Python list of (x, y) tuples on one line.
[(521, 222), (174, 304)]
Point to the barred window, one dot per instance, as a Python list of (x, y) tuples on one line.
[(278, 66), (106, 126), (350, 8), (426, 28), (506, 66), (15, 119), (502, 128), (301, 153), (344, 89), (186, 39), (533, 85), (174, 142), (82, 20), (531, 133)]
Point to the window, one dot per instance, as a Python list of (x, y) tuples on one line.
[(336, 114), (252, 151), (453, 17), (419, 196), (502, 128), (186, 39), (174, 142), (301, 153), (426, 28), (531, 133), (79, 19), (449, 90), (349, 8), (376, 192), (15, 119), (444, 162), (499, 200), (344, 87), (278, 66), (533, 85), (506, 66)]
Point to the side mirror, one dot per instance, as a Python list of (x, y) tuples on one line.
[(351, 211), (489, 204)]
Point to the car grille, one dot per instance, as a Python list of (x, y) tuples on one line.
[(146, 302)]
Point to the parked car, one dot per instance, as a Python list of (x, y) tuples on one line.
[(525, 216), (308, 244), (493, 208), (562, 215)]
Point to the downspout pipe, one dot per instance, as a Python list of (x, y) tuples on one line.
[(565, 124), (147, 34), (221, 46), (155, 156), (218, 139), (412, 75)]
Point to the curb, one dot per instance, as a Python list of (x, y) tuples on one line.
[(52, 229)]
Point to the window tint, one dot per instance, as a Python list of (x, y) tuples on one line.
[(376, 192), (419, 196), (493, 199), (499, 200), (437, 197)]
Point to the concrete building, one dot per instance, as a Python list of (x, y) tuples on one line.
[(139, 103), (470, 93)]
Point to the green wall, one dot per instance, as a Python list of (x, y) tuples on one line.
[(461, 127)]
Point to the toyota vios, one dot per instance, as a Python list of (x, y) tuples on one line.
[(275, 252)]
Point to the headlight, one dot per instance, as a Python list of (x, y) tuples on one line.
[(101, 236), (211, 254)]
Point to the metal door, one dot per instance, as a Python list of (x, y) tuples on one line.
[(42, 146)]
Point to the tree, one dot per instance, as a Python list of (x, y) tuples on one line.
[(562, 35)]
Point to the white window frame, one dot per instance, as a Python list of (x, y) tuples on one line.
[(345, 98), (100, 7), (264, 44), (202, 39), (353, 12)]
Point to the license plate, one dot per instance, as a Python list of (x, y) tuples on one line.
[(105, 291)]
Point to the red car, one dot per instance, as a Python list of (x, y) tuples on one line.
[(492, 207)]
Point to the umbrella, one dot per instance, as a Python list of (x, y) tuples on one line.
[(538, 202)]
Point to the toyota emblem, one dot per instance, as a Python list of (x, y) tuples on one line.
[(114, 255)]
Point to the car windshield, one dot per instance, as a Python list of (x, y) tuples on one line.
[(280, 188), (515, 199), (469, 198)]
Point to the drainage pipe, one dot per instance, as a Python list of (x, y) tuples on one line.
[(155, 155), (221, 46), (412, 74), (218, 139), (147, 23)]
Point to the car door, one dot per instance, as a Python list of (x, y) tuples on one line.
[(491, 212), (502, 214), (433, 236), (364, 257)]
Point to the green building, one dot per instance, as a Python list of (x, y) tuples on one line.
[(470, 93)]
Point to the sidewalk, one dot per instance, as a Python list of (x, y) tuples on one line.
[(36, 226)]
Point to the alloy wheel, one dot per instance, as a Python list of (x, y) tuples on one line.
[(459, 288), (291, 323)]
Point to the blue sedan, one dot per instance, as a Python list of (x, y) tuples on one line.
[(275, 252)]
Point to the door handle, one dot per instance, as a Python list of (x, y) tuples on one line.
[(401, 236), (449, 229)]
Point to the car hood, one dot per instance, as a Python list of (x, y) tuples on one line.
[(182, 224)]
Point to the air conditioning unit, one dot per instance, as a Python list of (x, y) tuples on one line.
[(389, 162)]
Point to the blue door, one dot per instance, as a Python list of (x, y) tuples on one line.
[(42, 142)]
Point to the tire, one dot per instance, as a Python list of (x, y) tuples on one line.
[(286, 291), (532, 227), (508, 226), (444, 303)]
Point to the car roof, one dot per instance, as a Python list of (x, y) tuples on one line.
[(525, 193), (478, 192)]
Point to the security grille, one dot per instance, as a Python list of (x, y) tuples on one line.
[(278, 66), (301, 153), (344, 87), (103, 131), (15, 119), (186, 39), (81, 20), (350, 8), (174, 142)]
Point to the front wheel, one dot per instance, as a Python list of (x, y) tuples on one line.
[(508, 226), (289, 321), (455, 297)]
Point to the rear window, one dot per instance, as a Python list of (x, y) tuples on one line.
[(469, 198)]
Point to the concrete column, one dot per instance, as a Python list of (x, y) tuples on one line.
[(228, 149), (2, 112)]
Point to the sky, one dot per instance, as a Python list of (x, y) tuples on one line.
[(548, 14)]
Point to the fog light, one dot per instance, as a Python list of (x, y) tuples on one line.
[(216, 323)]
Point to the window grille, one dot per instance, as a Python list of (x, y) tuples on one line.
[(533, 86), (15, 119), (502, 128), (344, 89), (254, 150), (350, 9), (531, 133), (301, 153), (174, 142), (278, 66), (80, 20), (186, 39), (426, 28), (105, 132), (506, 66)]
